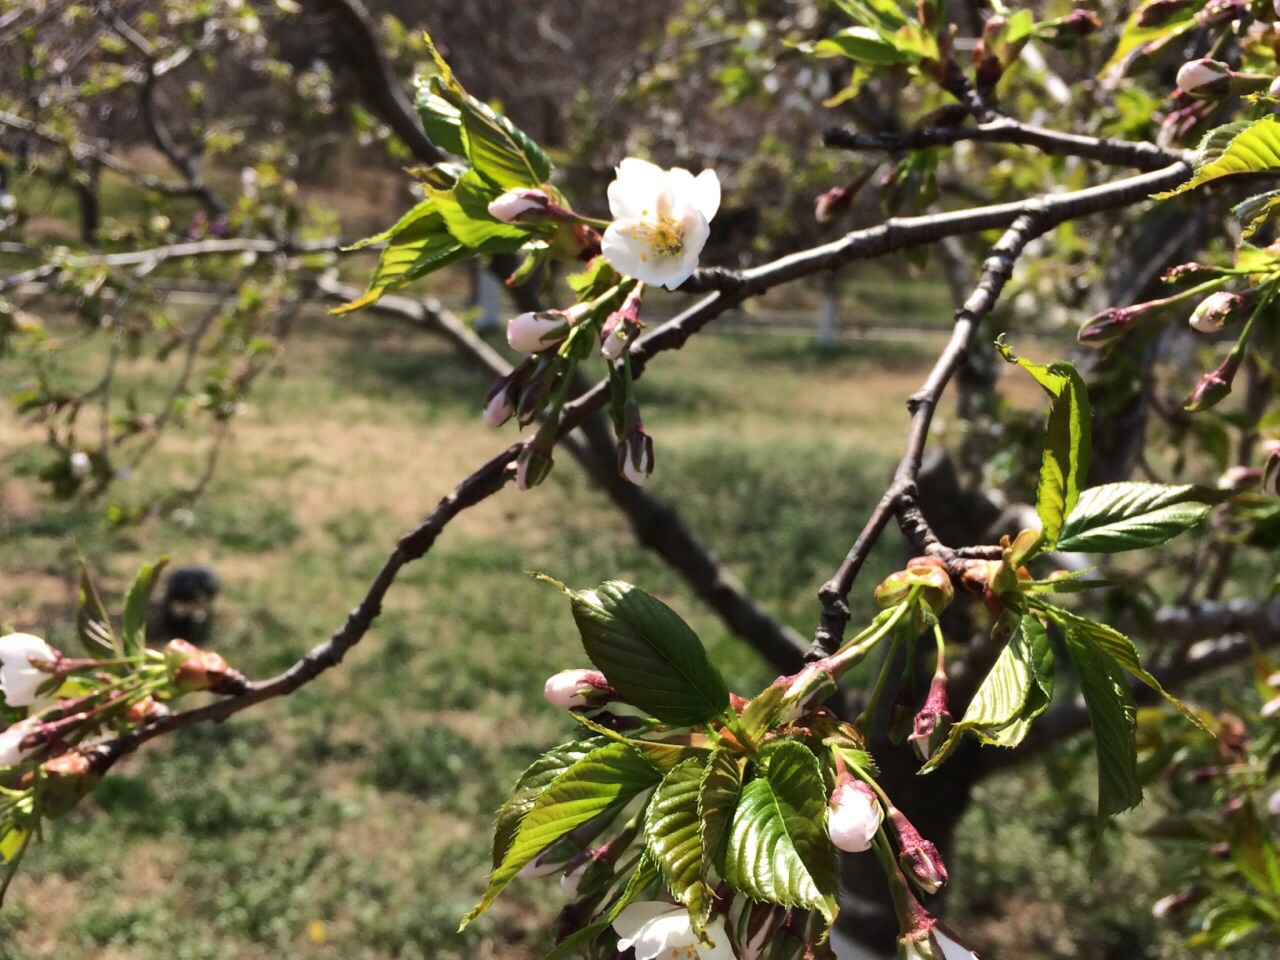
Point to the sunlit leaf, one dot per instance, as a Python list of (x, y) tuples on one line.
[(1130, 516), (1241, 147), (540, 775), (603, 780), (134, 620), (1015, 691), (673, 833), (779, 851), (1065, 460), (1112, 716), (650, 655)]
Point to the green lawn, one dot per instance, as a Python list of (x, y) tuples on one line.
[(351, 820)]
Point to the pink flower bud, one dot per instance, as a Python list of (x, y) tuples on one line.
[(578, 688), (1273, 91), (1175, 903), (622, 326), (1107, 325), (1238, 477), (854, 816), (933, 721), (831, 204), (1213, 387), (1271, 472), (918, 857), (1204, 78), (532, 332), (1215, 310), (515, 204), (499, 407), (635, 456), (1220, 11), (1081, 22), (532, 467)]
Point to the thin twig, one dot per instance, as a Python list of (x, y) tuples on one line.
[(1144, 156)]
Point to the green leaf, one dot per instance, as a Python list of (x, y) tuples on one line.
[(721, 786), (762, 712), (1015, 692), (419, 244), (650, 656), (862, 45), (1241, 147), (1112, 715), (1113, 644), (1256, 211), (440, 119), (1130, 516), (673, 835), (876, 14), (779, 851), (1252, 851), (465, 211), (492, 144), (664, 756), (92, 623), (133, 628), (1137, 40), (1065, 460), (604, 780), (540, 775)]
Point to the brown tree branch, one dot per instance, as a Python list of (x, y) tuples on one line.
[(1139, 154), (493, 475), (357, 36), (1038, 217), (657, 524)]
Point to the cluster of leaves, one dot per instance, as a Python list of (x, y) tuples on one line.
[(452, 222), (720, 797), (709, 786), (1221, 806)]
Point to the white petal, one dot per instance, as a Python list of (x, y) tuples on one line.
[(634, 193), (653, 928), (722, 949), (695, 236), (622, 249), (706, 195), (635, 915), (951, 948)]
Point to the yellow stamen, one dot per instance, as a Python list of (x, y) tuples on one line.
[(665, 235)]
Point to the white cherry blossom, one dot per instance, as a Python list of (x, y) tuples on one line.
[(854, 816), (18, 679), (663, 930), (661, 221)]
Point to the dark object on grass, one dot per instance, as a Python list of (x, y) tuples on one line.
[(187, 608)]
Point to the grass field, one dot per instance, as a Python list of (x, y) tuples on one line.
[(351, 820)]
